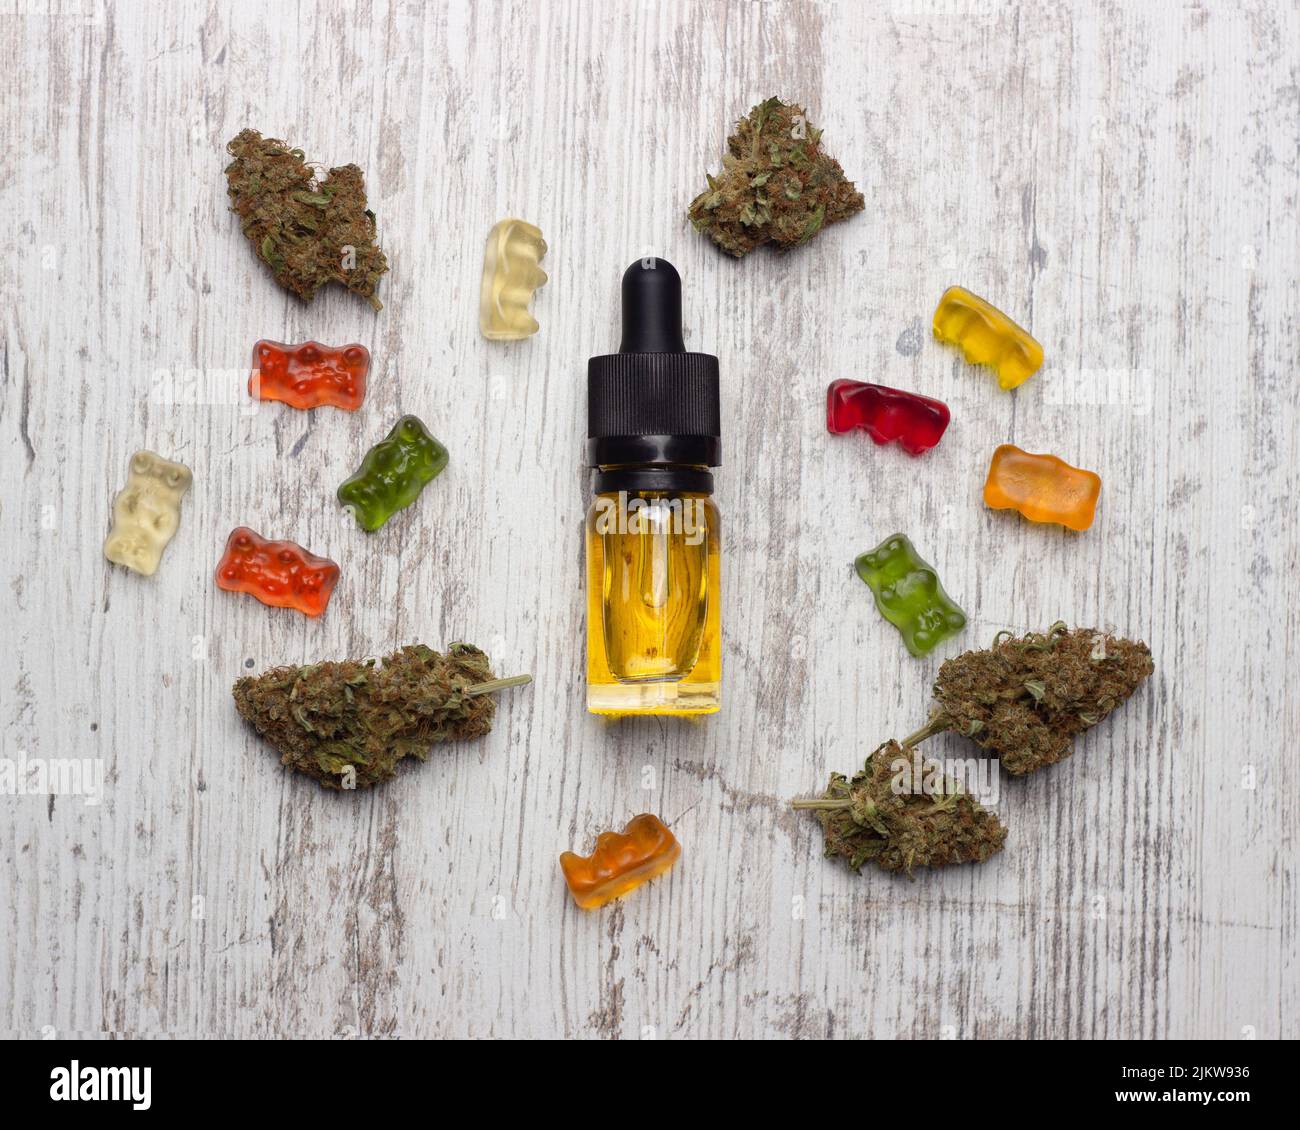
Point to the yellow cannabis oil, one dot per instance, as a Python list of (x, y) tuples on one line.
[(653, 603), (654, 435)]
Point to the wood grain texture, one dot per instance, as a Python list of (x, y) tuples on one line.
[(1120, 178)]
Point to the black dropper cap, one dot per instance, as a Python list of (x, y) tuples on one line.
[(652, 403)]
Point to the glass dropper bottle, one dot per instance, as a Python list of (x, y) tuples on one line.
[(654, 613)]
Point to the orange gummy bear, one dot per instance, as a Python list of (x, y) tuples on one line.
[(621, 862), (280, 574), (1042, 487), (311, 374)]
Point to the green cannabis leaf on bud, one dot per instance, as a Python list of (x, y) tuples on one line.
[(870, 820), (776, 184), (348, 724), (309, 233), (1025, 699)]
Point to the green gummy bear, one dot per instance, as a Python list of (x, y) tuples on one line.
[(393, 473), (909, 595)]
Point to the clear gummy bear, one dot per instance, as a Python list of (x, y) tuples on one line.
[(511, 273)]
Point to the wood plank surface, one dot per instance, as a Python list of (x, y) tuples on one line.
[(1122, 178)]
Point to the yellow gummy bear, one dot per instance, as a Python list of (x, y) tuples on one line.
[(510, 276), (987, 336), (146, 512)]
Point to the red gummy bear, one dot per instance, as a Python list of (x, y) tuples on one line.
[(279, 573), (309, 375), (885, 414)]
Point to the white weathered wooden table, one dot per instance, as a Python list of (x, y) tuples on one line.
[(1121, 179)]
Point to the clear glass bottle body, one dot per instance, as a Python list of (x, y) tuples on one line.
[(654, 609)]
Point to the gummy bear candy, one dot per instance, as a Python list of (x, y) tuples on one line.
[(279, 573), (987, 336), (1042, 487), (511, 273), (393, 473), (146, 512), (909, 595), (621, 862), (311, 374), (885, 414)]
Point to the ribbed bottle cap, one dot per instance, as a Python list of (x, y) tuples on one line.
[(652, 402)]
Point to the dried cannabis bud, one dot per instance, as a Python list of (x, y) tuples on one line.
[(869, 819), (309, 233), (348, 724), (776, 184), (1027, 698)]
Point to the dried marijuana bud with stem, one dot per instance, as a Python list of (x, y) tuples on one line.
[(348, 724), (309, 233), (1025, 699), (870, 819), (776, 184)]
